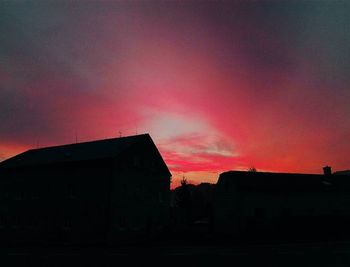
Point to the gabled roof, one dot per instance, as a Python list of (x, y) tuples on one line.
[(100, 149)]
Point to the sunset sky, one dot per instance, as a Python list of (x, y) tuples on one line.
[(222, 85)]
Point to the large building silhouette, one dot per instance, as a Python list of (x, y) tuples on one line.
[(91, 192)]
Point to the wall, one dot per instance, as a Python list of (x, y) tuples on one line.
[(240, 211), (54, 204), (141, 193)]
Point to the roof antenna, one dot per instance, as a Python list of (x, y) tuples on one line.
[(76, 137), (120, 134)]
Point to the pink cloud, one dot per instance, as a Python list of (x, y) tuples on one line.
[(217, 87)]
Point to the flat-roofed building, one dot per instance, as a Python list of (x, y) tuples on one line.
[(281, 203)]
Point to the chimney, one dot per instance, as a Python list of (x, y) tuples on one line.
[(327, 170)]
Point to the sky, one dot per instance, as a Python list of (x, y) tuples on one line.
[(221, 85)]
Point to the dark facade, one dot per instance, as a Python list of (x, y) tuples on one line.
[(277, 204), (92, 192)]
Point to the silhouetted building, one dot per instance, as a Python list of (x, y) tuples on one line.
[(99, 191), (345, 172), (251, 203), (327, 170)]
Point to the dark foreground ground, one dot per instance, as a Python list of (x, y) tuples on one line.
[(245, 254)]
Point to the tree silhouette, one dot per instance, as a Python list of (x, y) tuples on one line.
[(252, 169), (183, 195), (183, 200)]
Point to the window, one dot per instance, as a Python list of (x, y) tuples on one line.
[(19, 221), (160, 197), (336, 212), (34, 222), (5, 196), (136, 162), (259, 213), (2, 220), (122, 222), (71, 191), (35, 195), (286, 212), (28, 222), (67, 224), (310, 212), (20, 196), (227, 186), (153, 164), (124, 190), (137, 192), (16, 221)]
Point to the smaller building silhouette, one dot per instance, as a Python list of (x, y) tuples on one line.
[(282, 204), (100, 191)]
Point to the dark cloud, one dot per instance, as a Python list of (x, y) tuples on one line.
[(93, 67), (22, 117)]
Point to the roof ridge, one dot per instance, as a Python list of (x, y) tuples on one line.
[(273, 173), (103, 148), (87, 142)]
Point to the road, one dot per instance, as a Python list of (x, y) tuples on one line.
[(251, 254)]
